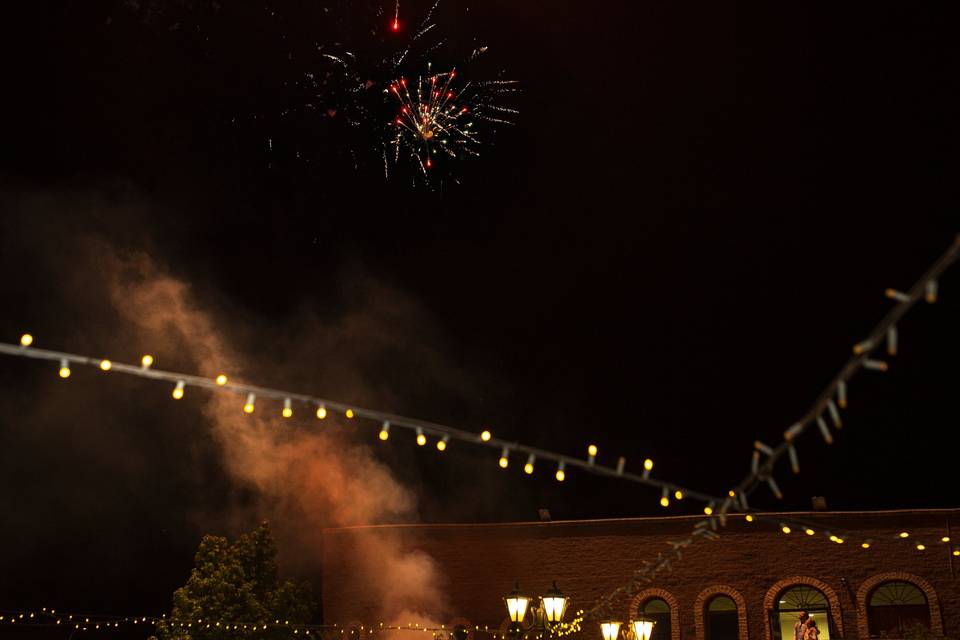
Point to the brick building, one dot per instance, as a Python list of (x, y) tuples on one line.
[(747, 584)]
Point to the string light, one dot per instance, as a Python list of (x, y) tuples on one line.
[(528, 468), (178, 390), (504, 461), (875, 365), (665, 498), (561, 474), (784, 528), (221, 380), (678, 494), (748, 517), (442, 443), (249, 406), (809, 531), (904, 534), (865, 544), (708, 510), (921, 547), (956, 552), (385, 431), (349, 413), (485, 435), (421, 438), (26, 340), (105, 365), (945, 539), (287, 408), (321, 412), (64, 368), (146, 361)]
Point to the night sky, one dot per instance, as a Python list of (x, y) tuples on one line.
[(669, 255)]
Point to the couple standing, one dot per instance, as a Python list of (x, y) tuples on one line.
[(806, 628)]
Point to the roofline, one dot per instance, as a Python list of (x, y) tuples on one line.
[(634, 520)]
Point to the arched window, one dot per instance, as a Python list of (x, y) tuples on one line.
[(721, 621), (895, 607), (658, 609), (793, 601)]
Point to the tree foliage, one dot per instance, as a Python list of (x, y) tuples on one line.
[(233, 584)]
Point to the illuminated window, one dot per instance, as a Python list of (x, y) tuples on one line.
[(721, 619), (658, 610), (896, 608), (789, 605)]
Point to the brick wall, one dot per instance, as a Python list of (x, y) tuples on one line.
[(751, 562)]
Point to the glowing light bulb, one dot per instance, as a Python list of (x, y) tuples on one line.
[(839, 540), (178, 390), (678, 494), (785, 528), (146, 361), (321, 412), (287, 408), (221, 380), (64, 369), (26, 340), (395, 25), (592, 450), (732, 493), (442, 443), (561, 475), (809, 531), (921, 547), (504, 458), (385, 431), (528, 468), (249, 406), (485, 436), (708, 510), (865, 545), (748, 518), (105, 365), (904, 534), (349, 414), (945, 539), (664, 499), (648, 464), (421, 438), (956, 552)]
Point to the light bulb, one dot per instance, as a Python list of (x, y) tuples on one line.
[(287, 408), (945, 539), (809, 531), (664, 499), (865, 545), (385, 431), (249, 406), (748, 518), (921, 547), (504, 458), (648, 465), (321, 412), (349, 414), (146, 361), (784, 528), (442, 443), (178, 390), (528, 468), (26, 340), (678, 494), (105, 365), (956, 552), (904, 534), (64, 369), (708, 510), (592, 450), (485, 435), (221, 379), (561, 475), (421, 438)]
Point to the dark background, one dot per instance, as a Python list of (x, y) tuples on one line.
[(670, 254)]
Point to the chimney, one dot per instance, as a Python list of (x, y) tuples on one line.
[(819, 503)]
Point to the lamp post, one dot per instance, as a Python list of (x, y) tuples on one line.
[(546, 614), (643, 628)]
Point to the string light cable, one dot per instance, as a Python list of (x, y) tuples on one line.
[(764, 458)]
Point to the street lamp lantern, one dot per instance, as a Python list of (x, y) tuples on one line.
[(516, 604), (554, 604), (643, 628), (610, 629)]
